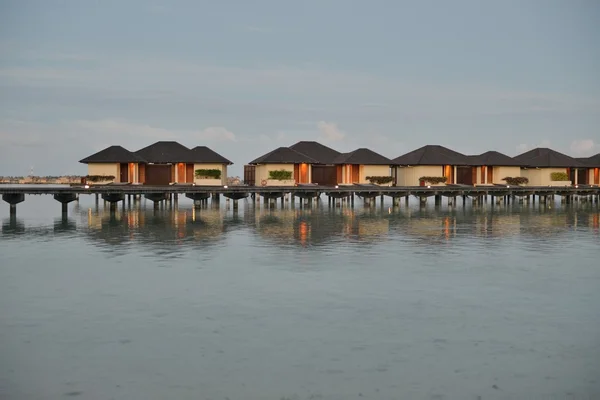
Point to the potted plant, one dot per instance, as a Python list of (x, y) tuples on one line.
[(559, 179), (100, 179), (280, 177), (432, 180), (380, 180), (516, 181), (208, 177)]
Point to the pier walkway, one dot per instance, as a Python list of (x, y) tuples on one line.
[(114, 193)]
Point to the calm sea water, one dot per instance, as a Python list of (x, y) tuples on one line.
[(464, 303)]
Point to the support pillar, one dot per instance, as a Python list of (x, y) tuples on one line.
[(65, 199), (157, 198), (13, 199)]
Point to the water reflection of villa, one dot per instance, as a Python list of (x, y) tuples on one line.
[(318, 227), (156, 229)]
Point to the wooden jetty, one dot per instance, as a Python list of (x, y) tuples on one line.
[(115, 193)]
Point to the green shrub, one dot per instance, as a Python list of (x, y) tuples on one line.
[(208, 173), (433, 179), (99, 178), (516, 181), (559, 176), (380, 180), (280, 175)]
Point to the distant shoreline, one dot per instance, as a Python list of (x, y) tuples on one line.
[(41, 180)]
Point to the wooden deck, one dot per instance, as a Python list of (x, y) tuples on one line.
[(337, 195), (392, 191)]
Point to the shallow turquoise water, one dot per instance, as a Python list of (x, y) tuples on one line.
[(432, 303)]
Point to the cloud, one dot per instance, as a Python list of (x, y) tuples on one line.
[(16, 133), (217, 133), (276, 138), (584, 147), (353, 92), (114, 127), (329, 132), (122, 128)]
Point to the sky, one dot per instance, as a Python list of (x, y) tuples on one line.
[(245, 77)]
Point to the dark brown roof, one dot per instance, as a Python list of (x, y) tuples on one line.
[(432, 155), (543, 157), (316, 151), (592, 162), (493, 158), (362, 156), (284, 155), (113, 154), (208, 155), (167, 152)]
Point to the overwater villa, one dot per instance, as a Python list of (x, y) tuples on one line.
[(309, 162), (491, 167), (312, 163), (280, 167), (306, 162), (161, 163), (547, 167), (325, 172), (592, 170), (431, 161), (363, 166)]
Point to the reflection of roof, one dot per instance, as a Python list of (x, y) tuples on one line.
[(112, 154), (167, 152), (362, 156), (493, 158), (207, 155), (316, 150), (546, 158), (593, 161), (284, 155), (431, 155)]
